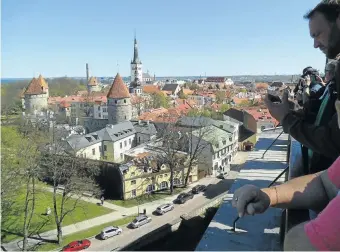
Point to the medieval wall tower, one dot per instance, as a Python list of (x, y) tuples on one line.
[(36, 95), (119, 106)]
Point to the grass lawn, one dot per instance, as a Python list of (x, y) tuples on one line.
[(85, 234), (145, 198), (11, 228)]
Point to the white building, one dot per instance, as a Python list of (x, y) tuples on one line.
[(109, 143), (219, 147), (100, 110)]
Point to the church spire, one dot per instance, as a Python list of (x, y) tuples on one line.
[(135, 53)]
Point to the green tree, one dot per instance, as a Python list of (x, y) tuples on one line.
[(159, 100), (181, 94), (220, 96), (224, 108)]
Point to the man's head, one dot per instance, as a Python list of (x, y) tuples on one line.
[(324, 28)]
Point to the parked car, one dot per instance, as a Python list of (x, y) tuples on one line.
[(140, 221), (77, 245), (184, 197), (198, 189), (110, 231), (162, 209), (220, 176)]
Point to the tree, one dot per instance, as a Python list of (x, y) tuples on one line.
[(168, 146), (158, 100), (88, 102), (220, 96), (19, 172), (75, 175), (197, 144), (224, 108), (193, 86), (181, 94)]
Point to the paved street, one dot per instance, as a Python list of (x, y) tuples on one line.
[(216, 187), (129, 235)]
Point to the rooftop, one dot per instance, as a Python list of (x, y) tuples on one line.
[(262, 231), (109, 133), (36, 86), (118, 89)]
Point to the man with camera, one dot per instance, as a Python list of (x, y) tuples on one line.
[(317, 132), (319, 191)]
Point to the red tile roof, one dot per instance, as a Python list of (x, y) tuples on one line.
[(36, 86), (118, 89), (261, 115), (150, 89)]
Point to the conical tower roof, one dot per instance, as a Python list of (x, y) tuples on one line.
[(118, 89), (36, 86)]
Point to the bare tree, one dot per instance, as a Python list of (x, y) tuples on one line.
[(70, 177), (168, 146), (88, 102), (195, 137), (20, 168)]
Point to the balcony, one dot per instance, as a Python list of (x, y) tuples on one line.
[(265, 231)]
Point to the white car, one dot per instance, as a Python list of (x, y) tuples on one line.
[(140, 221), (110, 231), (164, 208)]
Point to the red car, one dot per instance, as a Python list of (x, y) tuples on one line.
[(77, 245)]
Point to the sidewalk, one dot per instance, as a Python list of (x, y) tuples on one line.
[(120, 213)]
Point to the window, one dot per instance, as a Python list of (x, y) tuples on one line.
[(105, 147), (164, 185), (115, 101), (133, 193), (125, 117), (98, 108), (121, 156), (121, 145), (130, 141), (124, 101), (150, 188), (132, 174), (100, 149), (93, 152), (177, 181), (125, 143), (99, 115), (133, 182)]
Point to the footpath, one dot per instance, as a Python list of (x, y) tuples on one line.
[(118, 213)]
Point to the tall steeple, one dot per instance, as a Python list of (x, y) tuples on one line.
[(135, 53), (136, 64)]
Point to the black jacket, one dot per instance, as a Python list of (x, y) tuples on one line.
[(323, 140)]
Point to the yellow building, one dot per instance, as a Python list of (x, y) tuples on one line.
[(139, 179)]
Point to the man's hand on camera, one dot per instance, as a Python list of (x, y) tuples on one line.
[(279, 110)]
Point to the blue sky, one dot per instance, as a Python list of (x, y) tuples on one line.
[(176, 38)]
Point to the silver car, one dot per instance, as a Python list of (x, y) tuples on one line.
[(164, 208), (110, 231), (140, 221)]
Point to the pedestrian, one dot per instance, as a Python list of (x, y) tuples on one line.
[(102, 200)]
